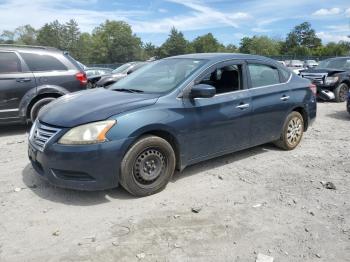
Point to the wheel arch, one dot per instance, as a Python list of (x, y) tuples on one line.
[(167, 135), (304, 114), (37, 98), (35, 94), (346, 81)]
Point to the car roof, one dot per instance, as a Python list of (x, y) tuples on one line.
[(221, 56), (32, 49)]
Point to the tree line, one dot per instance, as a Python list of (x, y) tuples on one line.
[(114, 42)]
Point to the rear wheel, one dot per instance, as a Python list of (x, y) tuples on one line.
[(38, 105), (341, 92), (148, 166), (293, 130)]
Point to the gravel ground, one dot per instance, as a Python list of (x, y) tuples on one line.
[(260, 200)]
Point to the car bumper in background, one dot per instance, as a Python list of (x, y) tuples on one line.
[(82, 167)]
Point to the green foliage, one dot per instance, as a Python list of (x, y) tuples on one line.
[(25, 35), (114, 41), (176, 44), (206, 44), (302, 40), (52, 34), (260, 45)]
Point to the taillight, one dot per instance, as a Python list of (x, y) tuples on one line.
[(81, 77), (313, 89)]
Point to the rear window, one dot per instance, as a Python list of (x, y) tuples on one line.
[(285, 74), (263, 75), (38, 62), (9, 63)]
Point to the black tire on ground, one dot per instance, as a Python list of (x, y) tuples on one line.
[(148, 166), (34, 111), (341, 92), (292, 133)]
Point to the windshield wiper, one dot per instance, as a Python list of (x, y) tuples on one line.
[(130, 90)]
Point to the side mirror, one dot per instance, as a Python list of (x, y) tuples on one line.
[(202, 91), (129, 72)]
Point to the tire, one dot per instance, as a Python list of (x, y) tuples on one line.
[(341, 92), (292, 133), (38, 105), (148, 166)]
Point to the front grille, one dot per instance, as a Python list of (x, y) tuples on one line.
[(315, 78), (41, 134)]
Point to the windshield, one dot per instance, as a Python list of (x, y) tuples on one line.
[(342, 64), (161, 76), (121, 69)]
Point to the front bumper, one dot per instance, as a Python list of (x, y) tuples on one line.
[(82, 167)]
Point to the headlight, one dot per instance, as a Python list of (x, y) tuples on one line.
[(87, 134), (331, 80)]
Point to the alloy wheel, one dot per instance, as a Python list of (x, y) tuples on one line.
[(294, 131)]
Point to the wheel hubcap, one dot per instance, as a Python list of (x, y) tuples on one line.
[(148, 166), (294, 131)]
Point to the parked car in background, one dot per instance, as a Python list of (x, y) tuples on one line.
[(282, 63), (310, 63), (97, 71), (119, 73), (169, 114), (296, 66), (332, 77), (94, 74), (31, 77)]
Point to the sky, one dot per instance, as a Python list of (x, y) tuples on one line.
[(227, 20)]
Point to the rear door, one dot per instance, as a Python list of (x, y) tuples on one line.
[(15, 82), (271, 100), (52, 69)]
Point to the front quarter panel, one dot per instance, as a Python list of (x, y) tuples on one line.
[(163, 116)]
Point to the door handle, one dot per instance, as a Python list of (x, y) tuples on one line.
[(242, 106), (285, 98), (22, 80)]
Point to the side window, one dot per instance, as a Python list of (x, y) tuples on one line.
[(285, 73), (263, 75), (37, 62), (9, 63), (225, 79)]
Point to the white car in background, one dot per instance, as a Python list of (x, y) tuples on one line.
[(282, 62), (310, 63), (296, 66)]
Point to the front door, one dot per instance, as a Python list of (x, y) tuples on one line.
[(15, 81), (221, 124)]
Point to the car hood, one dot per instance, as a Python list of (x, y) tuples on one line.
[(92, 105), (322, 71)]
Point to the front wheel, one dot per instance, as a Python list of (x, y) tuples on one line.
[(293, 130), (341, 92), (148, 166)]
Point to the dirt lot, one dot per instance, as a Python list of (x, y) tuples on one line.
[(261, 200)]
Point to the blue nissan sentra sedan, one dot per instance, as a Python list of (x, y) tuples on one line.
[(170, 114)]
